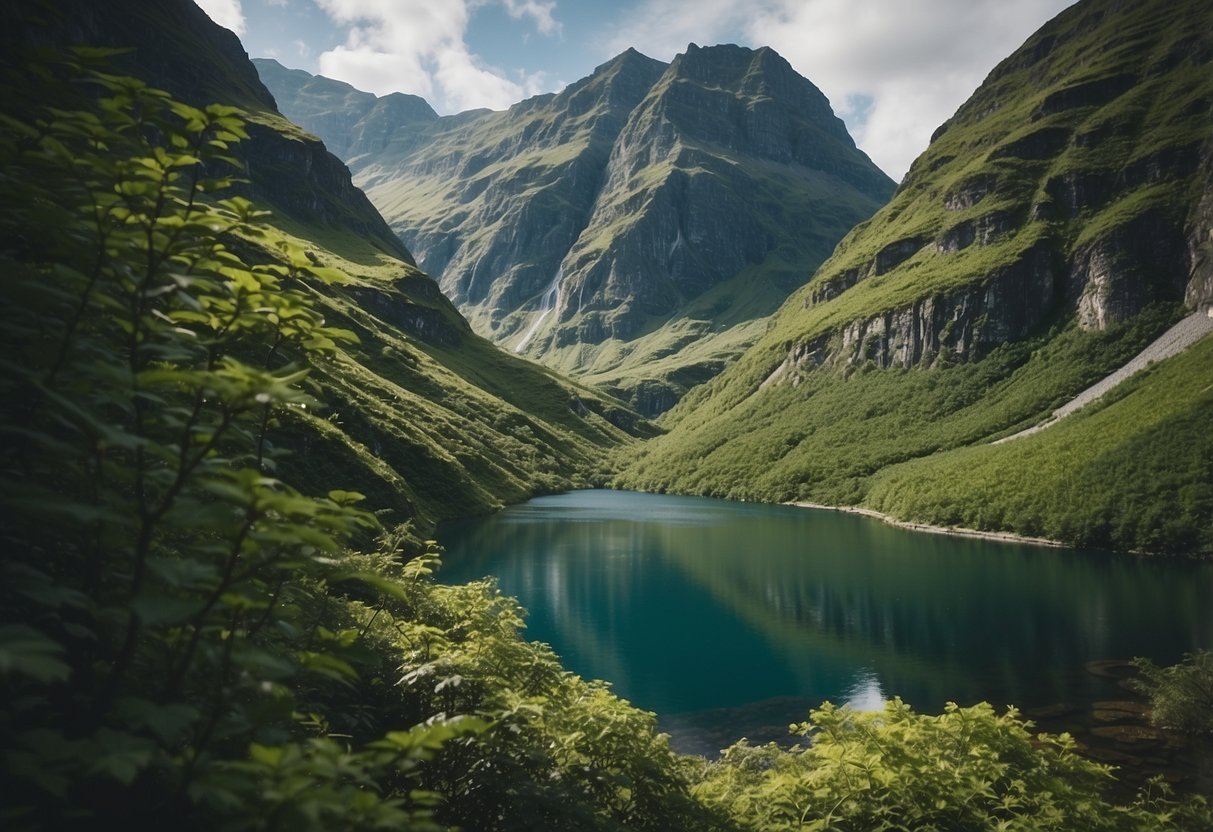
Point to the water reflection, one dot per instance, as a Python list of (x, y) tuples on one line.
[(865, 693), (693, 606)]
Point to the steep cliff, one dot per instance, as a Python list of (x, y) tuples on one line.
[(429, 420), (631, 230), (1058, 221)]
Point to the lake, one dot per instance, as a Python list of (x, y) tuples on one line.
[(733, 619)]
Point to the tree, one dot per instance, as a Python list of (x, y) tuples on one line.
[(165, 599)]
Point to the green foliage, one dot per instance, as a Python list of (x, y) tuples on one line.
[(182, 633), (1181, 695), (163, 592), (966, 769), (1130, 472)]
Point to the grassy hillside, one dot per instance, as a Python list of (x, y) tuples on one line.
[(430, 419), (1052, 229), (1133, 471)]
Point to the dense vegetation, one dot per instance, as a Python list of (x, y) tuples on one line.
[(185, 636), (1181, 696), (1130, 473), (1052, 229)]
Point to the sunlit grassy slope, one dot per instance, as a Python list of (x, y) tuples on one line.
[(1045, 236)]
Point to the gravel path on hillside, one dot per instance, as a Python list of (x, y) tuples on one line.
[(1175, 340)]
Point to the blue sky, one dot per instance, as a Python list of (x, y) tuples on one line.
[(894, 70)]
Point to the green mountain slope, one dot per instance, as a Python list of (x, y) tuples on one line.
[(632, 230), (430, 420), (1056, 224)]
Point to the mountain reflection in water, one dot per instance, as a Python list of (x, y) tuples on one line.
[(734, 619)]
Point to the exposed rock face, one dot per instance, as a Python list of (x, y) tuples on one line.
[(1116, 276), (1199, 291), (574, 225), (959, 325), (1098, 207), (350, 122), (425, 323)]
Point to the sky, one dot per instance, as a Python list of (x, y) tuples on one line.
[(894, 70)]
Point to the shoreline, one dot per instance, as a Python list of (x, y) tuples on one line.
[(953, 531)]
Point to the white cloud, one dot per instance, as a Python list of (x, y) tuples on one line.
[(541, 13), (227, 13), (895, 69), (663, 28), (418, 46)]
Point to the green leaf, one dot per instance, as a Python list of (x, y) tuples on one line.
[(27, 652), (157, 610), (119, 756), (168, 723)]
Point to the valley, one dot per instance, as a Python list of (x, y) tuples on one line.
[(357, 462)]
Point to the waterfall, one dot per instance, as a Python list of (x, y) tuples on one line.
[(551, 297)]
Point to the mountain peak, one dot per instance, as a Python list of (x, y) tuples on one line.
[(629, 61), (567, 225)]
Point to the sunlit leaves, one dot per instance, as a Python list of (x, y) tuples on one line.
[(967, 768)]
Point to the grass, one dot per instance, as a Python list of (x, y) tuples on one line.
[(1133, 471)]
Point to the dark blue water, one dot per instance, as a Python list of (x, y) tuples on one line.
[(733, 619)]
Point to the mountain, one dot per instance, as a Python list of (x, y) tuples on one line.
[(1058, 222), (350, 121), (632, 230), (429, 420), (188, 55)]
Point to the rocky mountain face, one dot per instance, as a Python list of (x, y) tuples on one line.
[(350, 121), (1062, 206), (1085, 193), (630, 230), (428, 419)]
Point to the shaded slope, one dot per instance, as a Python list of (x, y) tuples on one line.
[(1056, 225), (179, 49), (631, 229), (433, 420)]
